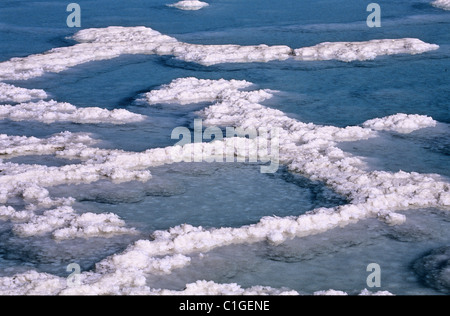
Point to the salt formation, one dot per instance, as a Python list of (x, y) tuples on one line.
[(364, 292), (401, 123), (351, 51), (192, 90), (64, 223), (52, 111), (10, 93), (189, 5), (22, 145), (308, 149), (111, 42), (442, 4)]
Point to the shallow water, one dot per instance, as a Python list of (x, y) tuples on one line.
[(237, 194)]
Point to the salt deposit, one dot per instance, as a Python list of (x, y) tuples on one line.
[(111, 42), (442, 4), (305, 148), (52, 111), (189, 5), (10, 93), (401, 123), (351, 51)]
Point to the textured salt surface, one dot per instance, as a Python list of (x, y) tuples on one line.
[(308, 149), (111, 42), (305, 148)]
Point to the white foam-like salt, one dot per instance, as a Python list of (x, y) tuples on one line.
[(53, 111), (10, 93), (442, 4), (192, 90), (372, 194), (64, 223), (111, 42), (22, 145), (351, 51), (189, 5), (305, 148), (401, 123)]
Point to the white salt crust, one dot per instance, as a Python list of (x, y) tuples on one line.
[(189, 5), (22, 145), (34, 283), (10, 93), (307, 149), (351, 51), (64, 223), (52, 111), (113, 41), (401, 123), (442, 4)]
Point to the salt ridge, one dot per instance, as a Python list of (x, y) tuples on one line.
[(111, 42), (305, 148), (351, 51), (401, 123), (22, 145), (10, 93), (53, 111), (308, 149)]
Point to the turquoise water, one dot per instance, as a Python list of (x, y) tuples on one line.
[(211, 195)]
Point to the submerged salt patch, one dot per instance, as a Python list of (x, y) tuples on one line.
[(401, 123), (434, 268), (52, 111), (350, 51), (10, 93), (189, 5)]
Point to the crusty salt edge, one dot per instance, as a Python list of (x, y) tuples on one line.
[(314, 155), (111, 42), (16, 178), (34, 283), (64, 223), (10, 93), (351, 51), (189, 5), (22, 145), (442, 4), (304, 148), (52, 111), (192, 90), (401, 123)]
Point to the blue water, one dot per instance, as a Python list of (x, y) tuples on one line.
[(330, 92)]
